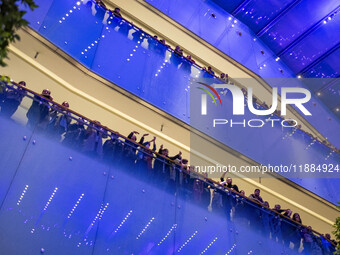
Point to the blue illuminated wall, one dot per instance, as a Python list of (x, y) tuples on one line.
[(55, 200), (123, 54)]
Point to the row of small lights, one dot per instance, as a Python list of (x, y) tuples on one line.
[(169, 232), (22, 195), (250, 252), (309, 145), (187, 241), (290, 134), (47, 204), (123, 221), (329, 154), (145, 228), (136, 47), (50, 199), (235, 21), (162, 66), (231, 249), (70, 11), (91, 44), (330, 17), (75, 206), (212, 242), (98, 216)]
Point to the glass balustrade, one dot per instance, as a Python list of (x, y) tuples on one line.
[(71, 186), (125, 55)]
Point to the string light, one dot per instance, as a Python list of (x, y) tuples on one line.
[(98, 217), (212, 242), (145, 228), (187, 241), (68, 13), (22, 195), (169, 232), (329, 154), (75, 206), (309, 145), (50, 199), (123, 221), (231, 249)]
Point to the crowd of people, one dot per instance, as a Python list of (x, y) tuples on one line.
[(179, 59), (156, 166)]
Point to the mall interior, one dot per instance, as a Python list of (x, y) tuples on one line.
[(151, 127)]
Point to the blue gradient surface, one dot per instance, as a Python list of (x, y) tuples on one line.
[(51, 204)]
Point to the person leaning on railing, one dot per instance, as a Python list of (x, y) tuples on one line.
[(59, 121), (228, 199), (145, 157), (93, 142), (113, 149), (75, 134), (11, 99), (37, 114)]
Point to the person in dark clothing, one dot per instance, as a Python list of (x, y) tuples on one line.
[(75, 134), (256, 197), (131, 146), (12, 99), (327, 247), (116, 12), (198, 190), (113, 149), (228, 199), (229, 184), (162, 163), (292, 232), (241, 210), (176, 56), (275, 223), (209, 73), (130, 149), (145, 157), (37, 114), (93, 142), (59, 120)]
